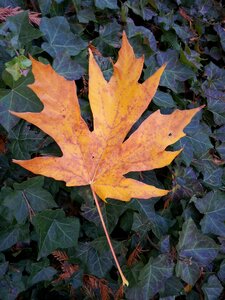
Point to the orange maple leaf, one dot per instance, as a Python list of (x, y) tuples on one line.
[(102, 157)]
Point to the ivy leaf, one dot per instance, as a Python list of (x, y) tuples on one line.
[(196, 246), (215, 77), (213, 208), (55, 231), (67, 67), (22, 31), (12, 285), (175, 72), (212, 174), (12, 234), (173, 287), (155, 221), (23, 141), (28, 198), (212, 289), (162, 99), (152, 278), (95, 263), (41, 271), (108, 37), (220, 30), (196, 143), (188, 271), (112, 4), (134, 31), (60, 38), (215, 101), (221, 273), (19, 97)]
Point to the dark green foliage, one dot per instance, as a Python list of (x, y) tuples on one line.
[(169, 248)]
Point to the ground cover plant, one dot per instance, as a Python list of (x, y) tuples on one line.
[(51, 240)]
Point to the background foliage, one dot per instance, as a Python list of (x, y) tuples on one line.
[(51, 241)]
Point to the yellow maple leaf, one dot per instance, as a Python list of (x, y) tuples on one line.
[(102, 157)]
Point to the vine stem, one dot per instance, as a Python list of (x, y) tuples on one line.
[(124, 280)]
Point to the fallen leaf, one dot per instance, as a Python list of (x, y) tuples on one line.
[(101, 158)]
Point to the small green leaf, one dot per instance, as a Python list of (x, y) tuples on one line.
[(17, 66)]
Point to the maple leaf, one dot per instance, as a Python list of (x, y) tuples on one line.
[(102, 157)]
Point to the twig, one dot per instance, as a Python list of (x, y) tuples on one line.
[(6, 12), (124, 280)]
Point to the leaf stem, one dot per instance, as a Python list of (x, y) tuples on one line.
[(125, 282), (30, 209)]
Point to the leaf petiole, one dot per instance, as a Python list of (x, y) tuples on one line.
[(124, 280)]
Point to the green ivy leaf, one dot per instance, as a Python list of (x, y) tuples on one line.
[(23, 141), (221, 273), (12, 234), (173, 287), (156, 222), (195, 246), (212, 289), (188, 271), (22, 31), (112, 4), (41, 271), (220, 31), (162, 99), (18, 98), (59, 37), (55, 231), (152, 278), (108, 37), (175, 72), (213, 208), (95, 263), (68, 67), (215, 77), (215, 101), (27, 198), (12, 285)]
